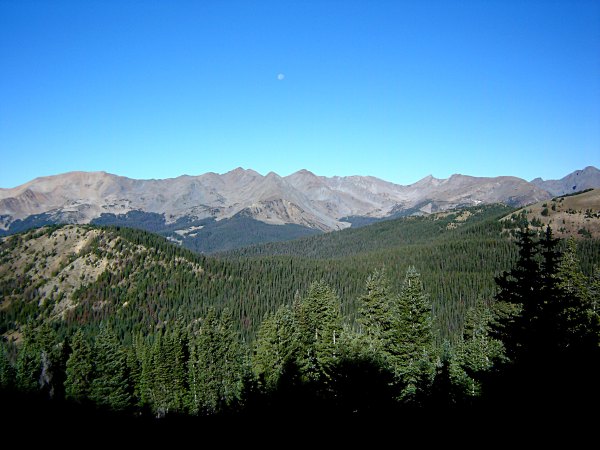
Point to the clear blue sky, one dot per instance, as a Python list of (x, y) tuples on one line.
[(394, 89)]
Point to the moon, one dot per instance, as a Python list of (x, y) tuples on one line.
[(280, 76)]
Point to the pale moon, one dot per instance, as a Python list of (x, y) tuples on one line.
[(280, 76)]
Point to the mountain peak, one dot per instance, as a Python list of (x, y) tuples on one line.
[(304, 172), (299, 198), (237, 171), (573, 182)]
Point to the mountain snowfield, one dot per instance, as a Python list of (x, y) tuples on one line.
[(302, 198)]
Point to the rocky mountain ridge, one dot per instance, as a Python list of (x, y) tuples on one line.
[(302, 198)]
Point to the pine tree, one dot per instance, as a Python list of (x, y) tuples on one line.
[(110, 387), (79, 369)]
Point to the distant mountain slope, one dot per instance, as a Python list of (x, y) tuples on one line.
[(569, 215), (385, 235), (576, 181), (206, 212)]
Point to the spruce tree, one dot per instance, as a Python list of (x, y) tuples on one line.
[(28, 365), (176, 344), (79, 369), (161, 378), (216, 366), (7, 371), (479, 351), (594, 293), (577, 323), (276, 348), (110, 386), (134, 370), (412, 353), (375, 314), (522, 287), (319, 328), (146, 374)]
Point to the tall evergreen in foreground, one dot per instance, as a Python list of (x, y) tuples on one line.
[(110, 386), (397, 330), (276, 348), (319, 329), (375, 314), (79, 369), (7, 371), (28, 366), (552, 342), (216, 366), (413, 352), (165, 365)]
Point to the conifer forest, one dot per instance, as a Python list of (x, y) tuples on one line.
[(454, 312)]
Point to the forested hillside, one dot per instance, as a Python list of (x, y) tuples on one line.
[(138, 281), (404, 313), (539, 331)]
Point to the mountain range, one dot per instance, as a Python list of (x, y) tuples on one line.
[(212, 212)]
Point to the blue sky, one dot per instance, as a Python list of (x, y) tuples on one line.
[(394, 89)]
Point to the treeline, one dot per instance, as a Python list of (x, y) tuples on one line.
[(535, 343)]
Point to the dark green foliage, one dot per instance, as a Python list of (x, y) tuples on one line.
[(375, 315), (397, 330), (79, 369), (216, 366), (276, 348), (110, 385), (579, 330), (384, 235), (39, 366), (594, 293), (412, 354), (164, 369), (7, 371), (34, 221), (299, 349), (522, 286), (145, 289), (240, 231), (572, 194), (170, 343), (211, 235), (585, 232), (479, 351), (319, 328), (28, 368), (553, 340)]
